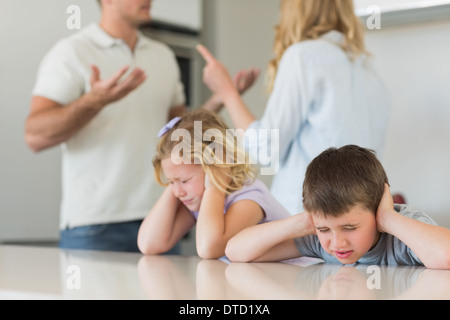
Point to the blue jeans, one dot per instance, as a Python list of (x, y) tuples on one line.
[(104, 237)]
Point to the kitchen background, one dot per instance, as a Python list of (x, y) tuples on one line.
[(411, 52)]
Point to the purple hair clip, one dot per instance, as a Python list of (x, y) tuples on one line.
[(168, 126)]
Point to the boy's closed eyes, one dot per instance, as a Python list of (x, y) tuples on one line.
[(348, 236), (347, 227)]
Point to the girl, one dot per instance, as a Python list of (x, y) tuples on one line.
[(324, 91), (209, 182)]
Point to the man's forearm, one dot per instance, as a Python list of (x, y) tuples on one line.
[(53, 125)]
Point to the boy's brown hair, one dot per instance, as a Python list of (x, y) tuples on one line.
[(339, 179)]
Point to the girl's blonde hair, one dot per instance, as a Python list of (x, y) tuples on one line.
[(218, 151), (308, 20)]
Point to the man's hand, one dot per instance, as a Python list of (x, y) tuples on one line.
[(111, 90), (244, 79)]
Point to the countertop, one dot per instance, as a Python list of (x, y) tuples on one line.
[(51, 273)]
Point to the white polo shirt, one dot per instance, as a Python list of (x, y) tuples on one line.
[(107, 166)]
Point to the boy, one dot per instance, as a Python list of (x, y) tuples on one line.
[(349, 217)]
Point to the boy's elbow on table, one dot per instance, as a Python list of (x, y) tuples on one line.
[(442, 264), (448, 259), (440, 261), (445, 261)]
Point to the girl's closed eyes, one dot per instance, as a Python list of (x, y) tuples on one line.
[(186, 182)]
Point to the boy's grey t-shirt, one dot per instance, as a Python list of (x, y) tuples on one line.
[(388, 251)]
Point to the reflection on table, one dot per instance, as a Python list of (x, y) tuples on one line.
[(51, 273)]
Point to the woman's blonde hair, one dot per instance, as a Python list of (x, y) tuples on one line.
[(202, 137), (308, 20)]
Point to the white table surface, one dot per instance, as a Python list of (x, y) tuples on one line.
[(51, 273)]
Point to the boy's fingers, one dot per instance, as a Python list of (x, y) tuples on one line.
[(387, 188), (205, 53)]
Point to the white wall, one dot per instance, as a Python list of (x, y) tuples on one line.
[(184, 13), (29, 183), (414, 61)]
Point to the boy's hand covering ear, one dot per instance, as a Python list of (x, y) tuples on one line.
[(385, 208), (311, 230)]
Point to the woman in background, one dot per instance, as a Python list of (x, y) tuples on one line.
[(324, 92)]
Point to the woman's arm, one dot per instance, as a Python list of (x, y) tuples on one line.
[(271, 241), (219, 81), (165, 225), (430, 243), (286, 110)]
